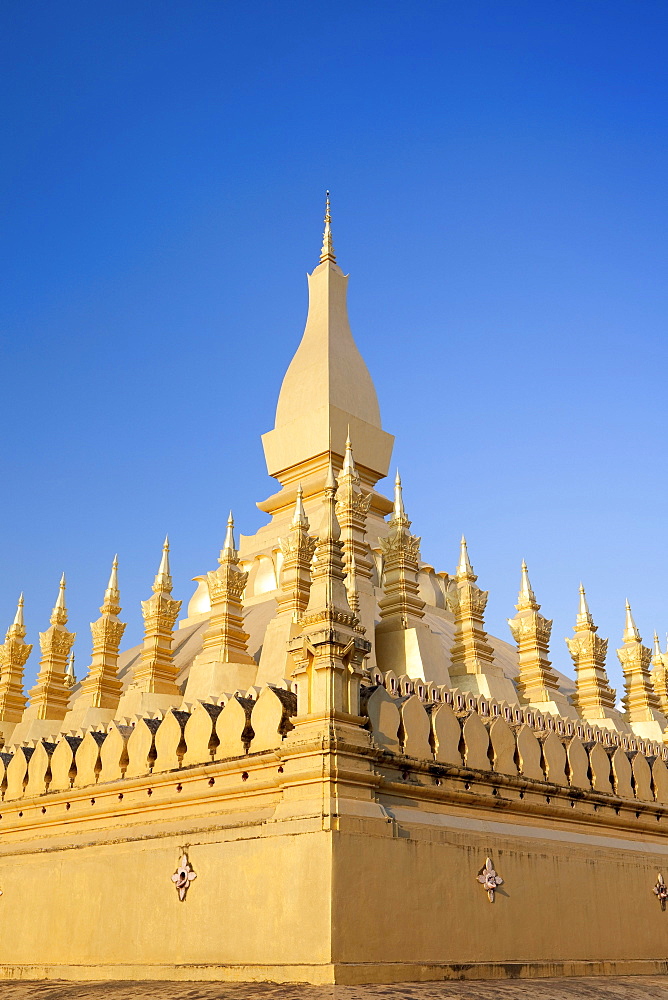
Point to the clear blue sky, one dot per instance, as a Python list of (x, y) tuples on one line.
[(498, 174)]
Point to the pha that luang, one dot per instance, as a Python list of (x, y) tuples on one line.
[(327, 769)]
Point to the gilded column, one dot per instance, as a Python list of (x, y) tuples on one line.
[(13, 656), (472, 666), (97, 699), (153, 685), (640, 700), (537, 683), (224, 664), (594, 699)]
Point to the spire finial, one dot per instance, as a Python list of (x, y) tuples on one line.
[(657, 650), (583, 618), (59, 613), (110, 605), (299, 519), (348, 460), (399, 513), (18, 618), (464, 569), (163, 580), (526, 598), (327, 252), (229, 549), (70, 678), (631, 633)]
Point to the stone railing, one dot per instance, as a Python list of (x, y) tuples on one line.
[(243, 724), (449, 726)]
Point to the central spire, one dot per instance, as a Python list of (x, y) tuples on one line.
[(327, 392)]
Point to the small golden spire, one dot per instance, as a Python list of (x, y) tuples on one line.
[(163, 580), (657, 659), (17, 625), (299, 519), (110, 605), (327, 252), (526, 599), (464, 569), (17, 629), (330, 482), (631, 633), (59, 613), (229, 548), (348, 460), (70, 678), (399, 511), (583, 619)]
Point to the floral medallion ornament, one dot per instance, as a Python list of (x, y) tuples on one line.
[(183, 876), (490, 880), (661, 890)]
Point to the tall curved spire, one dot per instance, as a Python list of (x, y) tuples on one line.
[(327, 390)]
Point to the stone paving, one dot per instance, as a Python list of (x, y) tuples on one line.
[(590, 988)]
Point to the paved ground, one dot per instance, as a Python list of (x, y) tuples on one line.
[(619, 988)]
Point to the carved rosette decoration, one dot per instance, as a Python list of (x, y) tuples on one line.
[(183, 876), (490, 880), (660, 890)]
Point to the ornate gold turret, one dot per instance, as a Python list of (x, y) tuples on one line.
[(153, 687), (537, 683), (224, 664), (295, 584), (49, 697), (660, 676), (401, 605), (404, 641), (594, 698), (352, 509), (13, 656), (329, 653), (472, 665), (100, 691), (640, 700)]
